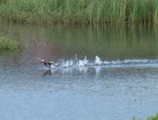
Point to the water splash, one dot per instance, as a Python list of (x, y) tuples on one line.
[(68, 63), (53, 66), (85, 62), (98, 61)]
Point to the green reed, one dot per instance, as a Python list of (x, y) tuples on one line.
[(79, 11), (8, 42)]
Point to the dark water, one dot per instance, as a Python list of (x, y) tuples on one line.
[(30, 91)]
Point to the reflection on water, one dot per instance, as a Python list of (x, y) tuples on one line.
[(118, 78), (48, 72), (108, 42), (101, 71)]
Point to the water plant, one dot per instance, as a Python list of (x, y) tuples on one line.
[(8, 42), (79, 11)]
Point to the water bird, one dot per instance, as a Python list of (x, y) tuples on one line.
[(49, 64)]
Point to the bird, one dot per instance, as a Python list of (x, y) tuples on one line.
[(49, 64)]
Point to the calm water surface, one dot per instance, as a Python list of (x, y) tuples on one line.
[(30, 91)]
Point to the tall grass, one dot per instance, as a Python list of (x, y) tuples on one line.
[(8, 42), (79, 11)]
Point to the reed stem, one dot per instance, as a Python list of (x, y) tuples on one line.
[(79, 11)]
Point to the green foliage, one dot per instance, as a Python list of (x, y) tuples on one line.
[(3, 1), (153, 117), (7, 42), (79, 11)]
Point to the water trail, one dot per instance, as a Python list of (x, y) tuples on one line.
[(98, 62), (131, 61), (90, 68), (68, 63), (83, 62), (52, 66)]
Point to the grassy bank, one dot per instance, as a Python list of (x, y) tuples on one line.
[(79, 11), (7, 42)]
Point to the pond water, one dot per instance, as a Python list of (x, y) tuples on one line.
[(123, 88)]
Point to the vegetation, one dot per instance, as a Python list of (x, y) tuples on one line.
[(7, 42), (153, 117), (150, 118), (79, 11)]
